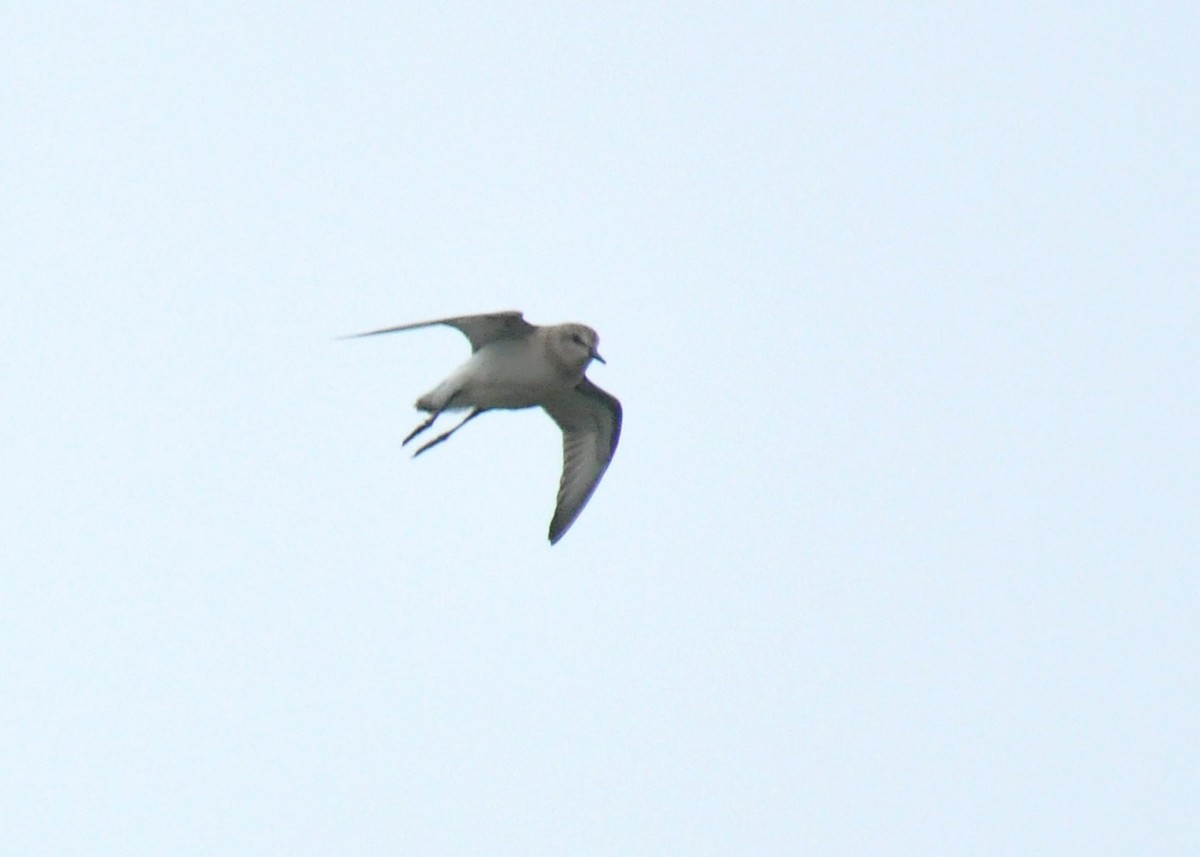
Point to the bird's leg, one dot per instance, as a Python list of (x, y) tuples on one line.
[(444, 435), (421, 427), (432, 417)]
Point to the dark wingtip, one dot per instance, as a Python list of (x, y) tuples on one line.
[(360, 335)]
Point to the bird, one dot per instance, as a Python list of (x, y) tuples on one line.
[(516, 365)]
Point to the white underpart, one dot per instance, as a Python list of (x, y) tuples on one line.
[(508, 374)]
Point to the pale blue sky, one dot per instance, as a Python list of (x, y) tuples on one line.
[(898, 554)]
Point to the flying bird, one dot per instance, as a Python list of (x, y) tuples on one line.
[(515, 365)]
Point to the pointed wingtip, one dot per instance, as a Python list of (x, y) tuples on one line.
[(361, 335)]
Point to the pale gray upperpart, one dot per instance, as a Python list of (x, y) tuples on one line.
[(515, 365), (479, 329)]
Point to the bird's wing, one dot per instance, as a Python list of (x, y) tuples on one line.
[(479, 329), (590, 420)]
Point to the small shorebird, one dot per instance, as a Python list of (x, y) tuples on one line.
[(515, 364)]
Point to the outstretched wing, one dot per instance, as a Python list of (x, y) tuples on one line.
[(590, 420), (479, 329)]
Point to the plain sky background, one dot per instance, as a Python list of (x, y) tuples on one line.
[(899, 552)]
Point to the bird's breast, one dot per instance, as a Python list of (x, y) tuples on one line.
[(512, 375)]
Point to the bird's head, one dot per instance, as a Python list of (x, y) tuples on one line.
[(576, 345)]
